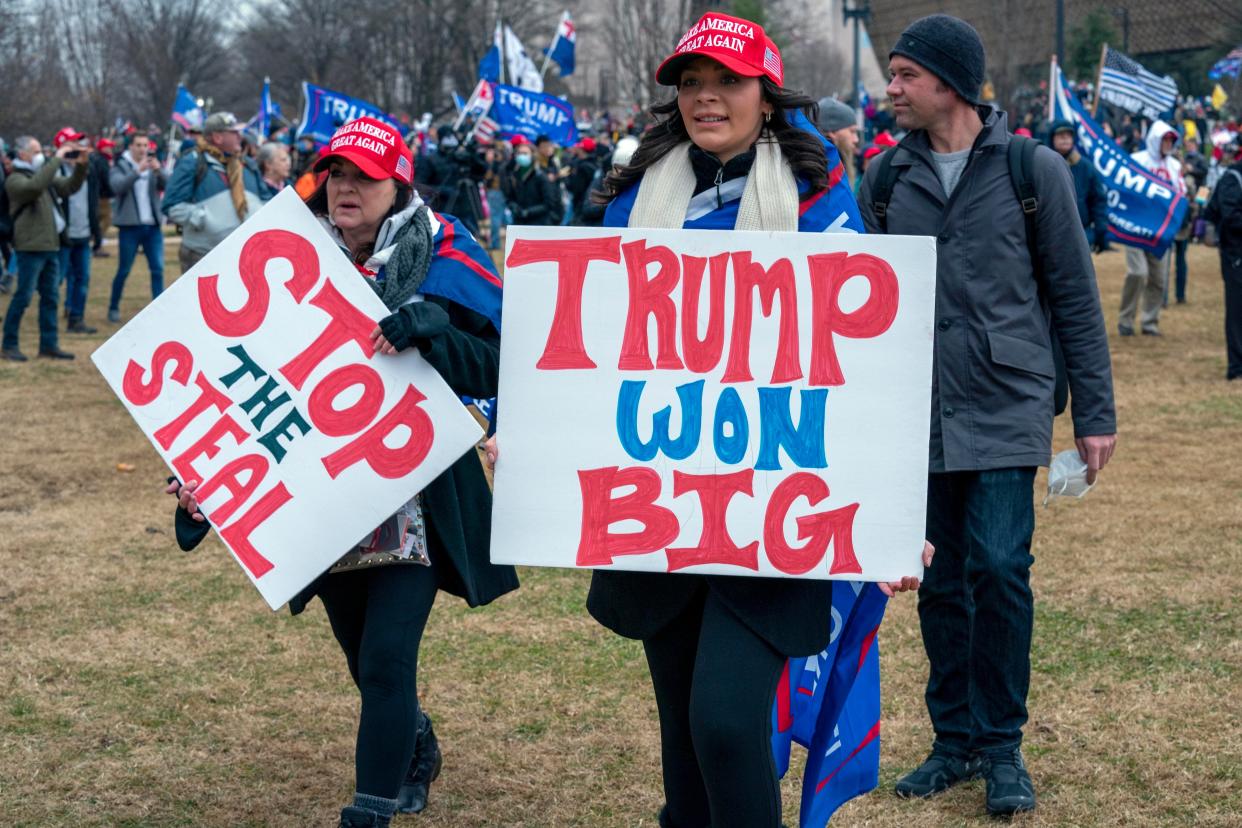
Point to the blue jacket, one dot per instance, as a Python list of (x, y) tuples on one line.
[(1092, 198), (201, 202)]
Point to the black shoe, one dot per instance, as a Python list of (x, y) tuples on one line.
[(1122, 330), (77, 326), (1009, 785), (939, 772), (13, 355), (352, 817), (424, 768), (1152, 332), (54, 353)]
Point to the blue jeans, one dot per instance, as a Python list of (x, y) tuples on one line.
[(496, 205), (976, 609), (151, 239), (75, 271), (41, 269)]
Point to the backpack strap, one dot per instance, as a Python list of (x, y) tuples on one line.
[(1021, 155), (882, 189)]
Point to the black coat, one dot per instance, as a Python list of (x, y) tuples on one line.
[(457, 505), (532, 196)]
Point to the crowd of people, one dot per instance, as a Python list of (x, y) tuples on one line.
[(715, 645)]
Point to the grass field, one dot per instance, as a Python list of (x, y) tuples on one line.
[(143, 686)]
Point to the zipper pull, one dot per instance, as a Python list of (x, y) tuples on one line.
[(718, 182)]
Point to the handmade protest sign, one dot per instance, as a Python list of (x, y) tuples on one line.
[(715, 402), (254, 374)]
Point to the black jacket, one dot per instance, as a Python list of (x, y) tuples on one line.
[(457, 505), (1225, 210), (532, 196)]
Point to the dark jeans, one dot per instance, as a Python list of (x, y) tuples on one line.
[(378, 616), (151, 239), (976, 609), (1179, 268), (1231, 270), (75, 271), (41, 270), (715, 682)]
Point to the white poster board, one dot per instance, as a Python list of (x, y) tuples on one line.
[(715, 402), (254, 374)]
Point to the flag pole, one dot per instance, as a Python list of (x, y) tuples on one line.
[(1095, 106), (1054, 88), (547, 56)]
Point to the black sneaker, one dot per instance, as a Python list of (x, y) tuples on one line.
[(1009, 785), (77, 326), (424, 768), (13, 355), (54, 353), (939, 772)]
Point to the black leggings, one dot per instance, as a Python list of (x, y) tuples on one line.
[(378, 616), (715, 682)]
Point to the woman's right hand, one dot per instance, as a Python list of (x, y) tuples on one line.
[(185, 497)]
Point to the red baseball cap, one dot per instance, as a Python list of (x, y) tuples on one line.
[(66, 135), (739, 44), (376, 147), (587, 144)]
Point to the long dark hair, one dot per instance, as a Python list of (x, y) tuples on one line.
[(318, 204), (803, 151)]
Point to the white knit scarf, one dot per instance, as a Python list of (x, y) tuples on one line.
[(769, 202)]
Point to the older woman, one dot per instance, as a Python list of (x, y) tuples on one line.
[(733, 150), (444, 298), (275, 164)]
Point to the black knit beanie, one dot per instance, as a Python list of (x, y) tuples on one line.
[(950, 48)]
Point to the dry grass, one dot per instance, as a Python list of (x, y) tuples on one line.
[(141, 686)]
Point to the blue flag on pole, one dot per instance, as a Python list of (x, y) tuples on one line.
[(830, 704), (326, 110), (186, 113), (563, 43), (267, 109), (1143, 210), (489, 66), (531, 114)]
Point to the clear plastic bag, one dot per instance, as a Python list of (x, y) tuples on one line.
[(1067, 476)]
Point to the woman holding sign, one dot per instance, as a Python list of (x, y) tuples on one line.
[(733, 150), (444, 298)]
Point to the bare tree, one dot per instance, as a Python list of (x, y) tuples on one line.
[(643, 33)]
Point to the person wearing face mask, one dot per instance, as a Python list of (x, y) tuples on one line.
[(38, 228), (213, 188), (1147, 275), (532, 197), (444, 296)]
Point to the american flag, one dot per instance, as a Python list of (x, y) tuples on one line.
[(1228, 66), (485, 129), (403, 169), (772, 63), (1125, 83)]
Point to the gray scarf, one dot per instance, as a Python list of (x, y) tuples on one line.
[(407, 266)]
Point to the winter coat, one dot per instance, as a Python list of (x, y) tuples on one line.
[(204, 208), (122, 179), (1225, 211), (993, 374), (32, 205), (532, 196), (457, 505)]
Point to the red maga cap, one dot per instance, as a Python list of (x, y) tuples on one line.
[(376, 147), (66, 135), (738, 44)]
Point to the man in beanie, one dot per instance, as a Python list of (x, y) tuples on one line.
[(992, 392), (213, 189), (1092, 198), (839, 125)]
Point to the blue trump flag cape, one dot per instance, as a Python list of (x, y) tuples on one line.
[(1143, 210), (830, 704), (531, 114), (326, 110), (462, 271)]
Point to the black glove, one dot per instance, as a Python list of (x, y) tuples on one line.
[(414, 324)]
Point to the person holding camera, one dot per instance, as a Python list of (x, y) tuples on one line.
[(455, 170), (38, 227), (137, 180), (81, 211), (532, 196)]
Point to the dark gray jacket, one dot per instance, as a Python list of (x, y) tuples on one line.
[(122, 179), (993, 374)]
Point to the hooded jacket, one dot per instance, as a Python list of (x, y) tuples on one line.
[(1162, 166), (203, 206), (1091, 196)]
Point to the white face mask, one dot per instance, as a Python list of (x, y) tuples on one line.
[(1067, 476), (37, 162)]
